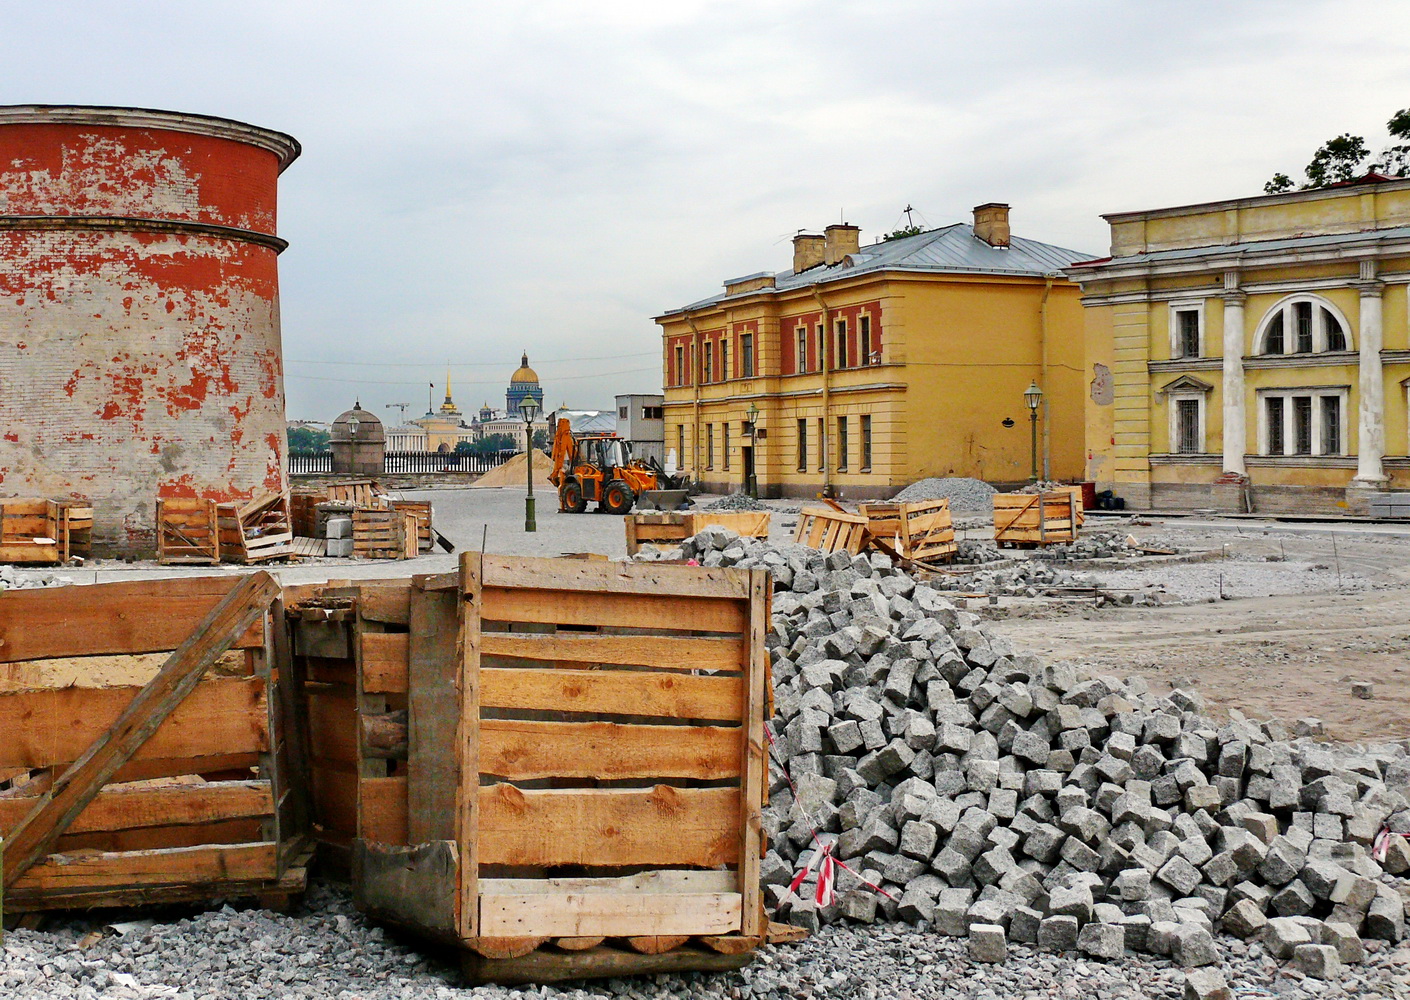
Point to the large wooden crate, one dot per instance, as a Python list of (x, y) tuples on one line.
[(673, 527), (558, 764), (1031, 519), (831, 530), (205, 805), (421, 509), (922, 531), (188, 531), (384, 534), (257, 531), (358, 492), (37, 530)]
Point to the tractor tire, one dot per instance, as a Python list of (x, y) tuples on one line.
[(571, 499), (617, 498)]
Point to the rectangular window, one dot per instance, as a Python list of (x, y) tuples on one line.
[(680, 446), (709, 446), (1187, 333), (842, 343), (841, 444), (801, 362), (622, 411), (680, 365), (1302, 319), (822, 349), (1302, 425), (1331, 425), (709, 362), (822, 444), (1273, 409), (724, 442), (724, 360), (866, 442), (651, 413), (1187, 427), (802, 445), (864, 340), (746, 355)]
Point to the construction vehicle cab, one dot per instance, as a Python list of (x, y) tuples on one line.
[(598, 468)]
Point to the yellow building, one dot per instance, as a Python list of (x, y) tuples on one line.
[(863, 369), (1253, 353)]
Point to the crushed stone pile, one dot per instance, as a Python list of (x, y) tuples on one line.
[(1099, 545), (977, 550), (515, 472), (736, 501), (989, 796), (963, 494), (13, 578)]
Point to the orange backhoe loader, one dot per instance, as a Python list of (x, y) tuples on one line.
[(600, 468)]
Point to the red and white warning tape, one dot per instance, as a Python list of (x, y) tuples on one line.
[(1381, 845)]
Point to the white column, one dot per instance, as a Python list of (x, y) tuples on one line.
[(1371, 432), (1235, 431)]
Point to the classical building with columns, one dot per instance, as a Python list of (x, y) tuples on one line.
[(1252, 353)]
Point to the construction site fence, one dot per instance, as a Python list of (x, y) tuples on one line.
[(302, 463)]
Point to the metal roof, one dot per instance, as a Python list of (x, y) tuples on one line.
[(951, 250), (1225, 250)]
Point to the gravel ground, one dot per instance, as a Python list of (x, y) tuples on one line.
[(964, 494), (1192, 582)]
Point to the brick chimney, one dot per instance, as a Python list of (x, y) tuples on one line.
[(842, 239), (807, 251), (991, 223)]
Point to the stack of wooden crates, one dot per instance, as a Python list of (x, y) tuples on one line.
[(37, 530)]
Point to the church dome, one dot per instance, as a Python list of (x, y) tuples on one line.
[(525, 374), (357, 424)]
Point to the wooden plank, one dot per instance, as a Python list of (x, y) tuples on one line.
[(661, 652), (656, 826), (665, 880), (544, 966), (433, 711), (601, 577), (656, 944), (469, 593), (381, 601), (653, 611), (626, 692), (754, 780), (46, 728), (381, 810), (295, 765), (140, 617), (173, 866), (522, 750), (291, 883), (117, 808), (154, 838), (333, 725), (247, 603), (335, 799), (217, 767), (613, 914), (412, 886), (384, 661)]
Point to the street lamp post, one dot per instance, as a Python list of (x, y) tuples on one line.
[(529, 409), (751, 482), (1033, 396)]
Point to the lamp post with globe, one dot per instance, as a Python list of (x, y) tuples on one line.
[(529, 409), (1033, 396)]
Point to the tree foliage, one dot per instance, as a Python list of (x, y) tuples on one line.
[(541, 439), (308, 439), (1344, 157), (902, 233), (487, 445)]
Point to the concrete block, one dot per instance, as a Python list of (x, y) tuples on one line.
[(340, 548)]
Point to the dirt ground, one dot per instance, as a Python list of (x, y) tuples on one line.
[(1286, 657)]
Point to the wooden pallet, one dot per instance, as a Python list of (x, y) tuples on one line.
[(257, 531), (1026, 520), (921, 532), (358, 492), (831, 530), (310, 548), (37, 530), (182, 788), (673, 527), (422, 510), (488, 719), (384, 534), (188, 531)]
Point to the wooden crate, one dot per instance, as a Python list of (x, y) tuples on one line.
[(178, 786), (922, 531), (384, 534), (673, 527), (422, 510), (1018, 522), (831, 530), (560, 752), (188, 531), (37, 530), (358, 492), (303, 512), (257, 531)]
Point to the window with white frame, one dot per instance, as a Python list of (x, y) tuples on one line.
[(1187, 423), (841, 344), (1303, 324), (801, 361), (864, 341), (1186, 329), (1302, 421)]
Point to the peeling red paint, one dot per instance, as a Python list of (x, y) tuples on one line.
[(11, 436)]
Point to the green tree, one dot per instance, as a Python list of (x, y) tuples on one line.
[(541, 439), (902, 233), (487, 445), (1344, 157), (308, 439)]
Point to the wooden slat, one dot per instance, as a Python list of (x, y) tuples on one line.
[(156, 838), (658, 826), (544, 966), (433, 712), (655, 611), (609, 913), (141, 617), (174, 866), (662, 652), (384, 660), (335, 799), (380, 601), (601, 577), (173, 805), (231, 618), (754, 781), (333, 725), (467, 739), (626, 692), (382, 810), (661, 881), (522, 750), (413, 886), (45, 728)]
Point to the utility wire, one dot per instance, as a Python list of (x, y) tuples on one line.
[(438, 365), (562, 378)]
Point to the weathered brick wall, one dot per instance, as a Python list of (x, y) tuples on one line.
[(140, 347)]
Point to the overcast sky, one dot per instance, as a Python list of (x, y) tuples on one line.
[(484, 178)]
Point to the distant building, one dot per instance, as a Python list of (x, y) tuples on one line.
[(639, 421), (446, 427)]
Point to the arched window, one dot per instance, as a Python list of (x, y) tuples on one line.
[(1303, 324)]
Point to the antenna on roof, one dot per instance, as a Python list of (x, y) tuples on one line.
[(908, 210)]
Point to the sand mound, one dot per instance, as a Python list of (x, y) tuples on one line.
[(512, 473)]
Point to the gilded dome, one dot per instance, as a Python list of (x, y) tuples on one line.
[(525, 374)]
